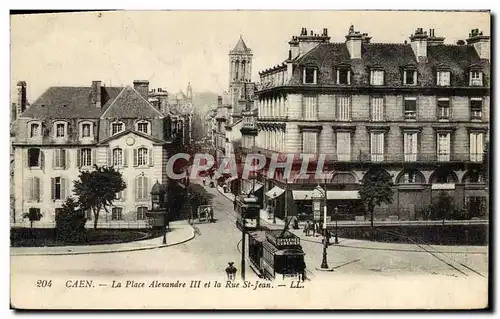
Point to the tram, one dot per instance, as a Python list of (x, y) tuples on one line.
[(248, 210), (277, 254)]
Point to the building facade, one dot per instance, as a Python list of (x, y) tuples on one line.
[(419, 111), (70, 129)]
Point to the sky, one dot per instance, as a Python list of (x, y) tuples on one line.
[(172, 48)]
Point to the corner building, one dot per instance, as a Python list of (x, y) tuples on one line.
[(69, 129), (418, 110)]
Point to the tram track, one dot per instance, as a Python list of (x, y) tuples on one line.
[(460, 267)]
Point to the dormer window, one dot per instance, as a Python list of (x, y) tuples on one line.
[(86, 130), (476, 78), (377, 77), (35, 130), (116, 128), (60, 129), (343, 76), (143, 127), (410, 77), (310, 75), (443, 78)]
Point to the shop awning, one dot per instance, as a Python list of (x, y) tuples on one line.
[(307, 194), (342, 195), (275, 192)]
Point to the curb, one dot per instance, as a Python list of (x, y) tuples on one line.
[(192, 236)]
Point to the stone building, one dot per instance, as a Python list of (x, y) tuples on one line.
[(418, 110), (69, 129)]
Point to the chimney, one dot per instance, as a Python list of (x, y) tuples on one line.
[(433, 40), (419, 44), (294, 48), (304, 43), (96, 94), (142, 87), (22, 101), (480, 42), (353, 42)]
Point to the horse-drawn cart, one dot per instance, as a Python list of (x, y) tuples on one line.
[(205, 213)]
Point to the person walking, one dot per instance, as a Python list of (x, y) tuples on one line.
[(231, 271)]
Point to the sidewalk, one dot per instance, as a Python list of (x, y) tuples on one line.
[(180, 232)]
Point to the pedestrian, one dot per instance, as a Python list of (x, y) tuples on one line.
[(231, 271)]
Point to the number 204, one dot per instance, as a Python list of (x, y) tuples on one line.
[(43, 283)]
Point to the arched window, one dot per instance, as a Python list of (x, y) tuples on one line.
[(60, 129), (35, 130), (86, 130), (117, 157), (343, 178), (141, 188), (141, 156), (411, 177), (443, 176), (473, 177)]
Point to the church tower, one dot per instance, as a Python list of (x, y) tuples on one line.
[(240, 74), (189, 93)]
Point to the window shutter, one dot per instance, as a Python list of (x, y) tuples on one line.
[(40, 189), (481, 78), (125, 157), (36, 188), (135, 157), (480, 145), (53, 188), (66, 159), (472, 145), (414, 143), (63, 188), (54, 158), (27, 158), (110, 157), (138, 190), (78, 158), (448, 143), (150, 153), (94, 156), (42, 160), (28, 187), (145, 187)]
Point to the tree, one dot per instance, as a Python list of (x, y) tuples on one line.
[(33, 215), (97, 189), (375, 190), (443, 206), (70, 223)]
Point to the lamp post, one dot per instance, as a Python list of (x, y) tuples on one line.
[(318, 196), (274, 208)]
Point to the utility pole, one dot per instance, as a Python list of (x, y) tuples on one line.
[(243, 247)]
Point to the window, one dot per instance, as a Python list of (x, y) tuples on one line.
[(117, 157), (476, 108), (377, 146), (410, 77), (116, 213), (410, 108), (476, 78), (59, 159), (476, 147), (443, 109), (143, 127), (141, 188), (443, 78), (409, 178), (58, 188), (60, 130), (116, 128), (35, 130), (34, 158), (141, 212), (310, 75), (310, 108), (86, 130), (141, 157), (309, 142), (377, 77), (410, 144), (85, 157), (343, 146), (343, 76), (444, 147), (344, 108), (377, 109), (33, 189)]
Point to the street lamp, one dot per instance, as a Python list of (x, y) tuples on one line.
[(318, 196), (274, 208)]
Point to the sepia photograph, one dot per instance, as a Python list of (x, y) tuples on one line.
[(177, 160)]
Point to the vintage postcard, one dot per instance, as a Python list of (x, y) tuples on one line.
[(250, 160)]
